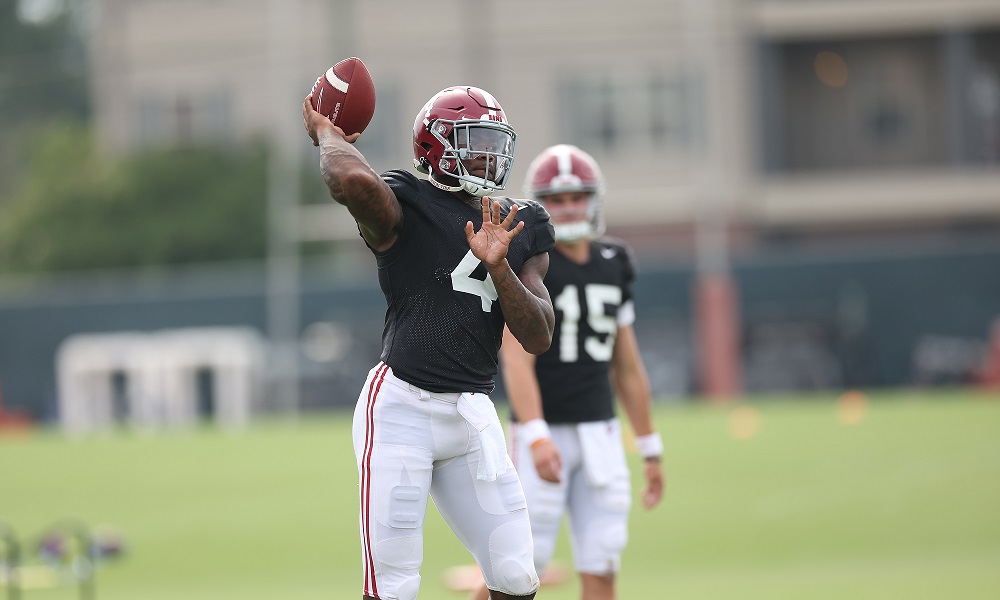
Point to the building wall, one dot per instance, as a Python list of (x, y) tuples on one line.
[(176, 71), (671, 96)]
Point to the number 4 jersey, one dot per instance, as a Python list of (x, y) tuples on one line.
[(443, 324), (591, 301)]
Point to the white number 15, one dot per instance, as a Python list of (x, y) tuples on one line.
[(597, 296)]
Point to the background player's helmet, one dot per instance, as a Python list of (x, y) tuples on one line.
[(462, 123), (566, 168)]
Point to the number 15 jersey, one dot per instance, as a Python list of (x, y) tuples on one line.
[(591, 301)]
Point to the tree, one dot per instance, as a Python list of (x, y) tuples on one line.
[(43, 69), (43, 75), (76, 210)]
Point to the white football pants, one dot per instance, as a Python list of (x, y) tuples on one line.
[(594, 490), (410, 443)]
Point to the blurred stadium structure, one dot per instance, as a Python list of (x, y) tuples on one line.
[(812, 187), (152, 380)]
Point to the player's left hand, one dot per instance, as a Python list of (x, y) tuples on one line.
[(490, 243), (654, 484)]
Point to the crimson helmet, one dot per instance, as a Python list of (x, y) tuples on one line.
[(459, 124), (566, 168)]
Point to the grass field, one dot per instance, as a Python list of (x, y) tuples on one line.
[(903, 503)]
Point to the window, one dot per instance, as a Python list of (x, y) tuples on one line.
[(982, 139), (631, 112), (153, 116), (193, 117), (859, 103)]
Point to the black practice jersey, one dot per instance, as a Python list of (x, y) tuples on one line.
[(573, 372), (443, 324)]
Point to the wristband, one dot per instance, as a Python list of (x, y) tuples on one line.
[(650, 446), (534, 430), (537, 442)]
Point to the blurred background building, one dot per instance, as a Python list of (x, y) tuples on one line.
[(812, 187)]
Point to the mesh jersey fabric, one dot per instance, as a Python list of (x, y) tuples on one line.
[(437, 337), (574, 381)]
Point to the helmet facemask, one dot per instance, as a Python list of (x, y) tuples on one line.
[(475, 145), (588, 224)]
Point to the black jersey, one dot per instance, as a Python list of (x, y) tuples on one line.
[(443, 324), (573, 372)]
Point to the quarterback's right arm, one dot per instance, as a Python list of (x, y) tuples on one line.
[(526, 401), (352, 181)]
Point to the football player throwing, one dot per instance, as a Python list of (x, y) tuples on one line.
[(455, 267)]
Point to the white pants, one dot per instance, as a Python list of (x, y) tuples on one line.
[(411, 443), (594, 490)]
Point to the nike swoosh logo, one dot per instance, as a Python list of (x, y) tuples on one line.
[(608, 252)]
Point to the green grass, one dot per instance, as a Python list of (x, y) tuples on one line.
[(904, 504)]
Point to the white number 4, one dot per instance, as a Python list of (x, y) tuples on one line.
[(463, 281)]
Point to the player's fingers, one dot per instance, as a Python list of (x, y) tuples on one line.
[(517, 229), (486, 209), (350, 139), (495, 212), (306, 108), (652, 497), (551, 473), (470, 231), (510, 217), (555, 463), (546, 470), (654, 490)]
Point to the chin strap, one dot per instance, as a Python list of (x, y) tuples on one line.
[(441, 186), (469, 187)]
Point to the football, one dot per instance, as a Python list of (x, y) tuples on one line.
[(346, 94)]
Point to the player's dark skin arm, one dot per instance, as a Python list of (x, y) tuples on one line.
[(527, 307), (525, 301), (352, 181)]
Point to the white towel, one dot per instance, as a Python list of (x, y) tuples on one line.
[(602, 450), (479, 411)]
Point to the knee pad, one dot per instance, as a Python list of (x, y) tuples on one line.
[(545, 514), (512, 567), (544, 549), (601, 553), (615, 539), (516, 577), (398, 562)]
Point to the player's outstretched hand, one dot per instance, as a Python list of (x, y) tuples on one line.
[(490, 243), (315, 122), (654, 484), (548, 462)]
